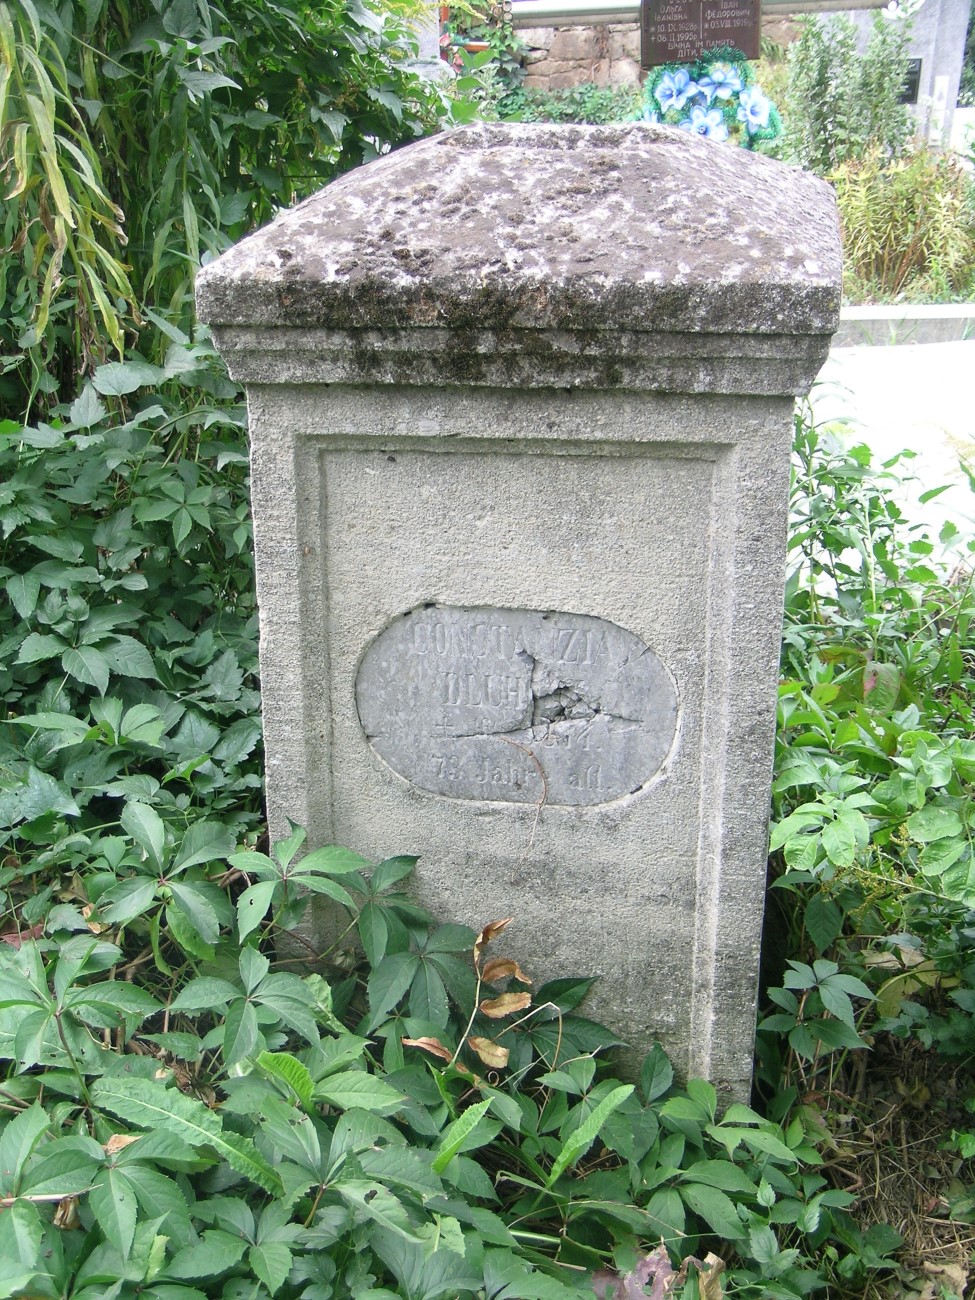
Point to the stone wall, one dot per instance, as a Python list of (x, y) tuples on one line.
[(568, 56)]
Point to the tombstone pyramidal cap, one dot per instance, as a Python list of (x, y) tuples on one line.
[(576, 233)]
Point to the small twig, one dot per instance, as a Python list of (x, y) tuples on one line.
[(541, 772)]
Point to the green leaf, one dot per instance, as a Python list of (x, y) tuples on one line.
[(722, 1174), (762, 1244), (881, 685), (840, 844), (754, 1138), (283, 1066), (252, 906), (355, 1088), (271, 1262), (148, 1105), (454, 1137), (23, 590), (126, 900), (39, 794), (332, 860), (823, 921), (62, 722), (582, 1138), (240, 1031), (715, 1208), (373, 932), (379, 1203), (197, 909), (205, 994), (18, 1141), (87, 665), (704, 1094), (205, 841), (160, 1198), (934, 823), (838, 1002), (146, 827), (215, 1253), (21, 1232), (113, 1204), (391, 871), (401, 1165), (665, 1209), (117, 997), (656, 1074), (127, 656), (86, 410), (566, 994), (35, 648), (68, 1167), (388, 983), (118, 378)]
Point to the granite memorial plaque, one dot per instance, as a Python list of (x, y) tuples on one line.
[(680, 31), (517, 706), (521, 402)]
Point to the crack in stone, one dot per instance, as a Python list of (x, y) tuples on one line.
[(552, 701)]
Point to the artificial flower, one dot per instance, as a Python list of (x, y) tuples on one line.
[(753, 109), (706, 122), (722, 81), (675, 89)]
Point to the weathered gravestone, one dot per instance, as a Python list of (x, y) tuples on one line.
[(520, 405)]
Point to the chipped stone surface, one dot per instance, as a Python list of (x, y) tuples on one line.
[(528, 390), (517, 706), (506, 227)]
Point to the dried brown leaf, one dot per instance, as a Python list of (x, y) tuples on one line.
[(491, 1053), (119, 1141), (502, 968), (95, 927), (66, 1215), (709, 1278), (489, 933), (505, 1005), (16, 937), (432, 1045)]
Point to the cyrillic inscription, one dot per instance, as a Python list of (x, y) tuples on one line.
[(516, 706), (679, 31)]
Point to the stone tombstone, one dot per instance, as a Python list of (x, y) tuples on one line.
[(521, 406), (680, 31)]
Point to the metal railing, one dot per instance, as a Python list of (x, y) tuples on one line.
[(593, 13)]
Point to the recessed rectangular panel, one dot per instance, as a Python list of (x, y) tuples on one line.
[(518, 649)]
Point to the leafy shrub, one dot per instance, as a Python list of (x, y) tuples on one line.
[(842, 104), (875, 768), (587, 103), (138, 136), (908, 225), (214, 1128)]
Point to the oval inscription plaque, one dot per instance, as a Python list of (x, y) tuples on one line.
[(514, 705)]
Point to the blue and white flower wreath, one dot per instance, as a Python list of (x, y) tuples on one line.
[(716, 96)]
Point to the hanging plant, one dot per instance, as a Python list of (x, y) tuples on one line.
[(716, 96)]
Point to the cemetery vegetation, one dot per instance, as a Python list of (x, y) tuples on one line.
[(193, 1106), (907, 209)]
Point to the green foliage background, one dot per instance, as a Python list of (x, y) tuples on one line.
[(185, 1112)]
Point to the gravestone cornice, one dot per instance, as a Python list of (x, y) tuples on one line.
[(629, 256)]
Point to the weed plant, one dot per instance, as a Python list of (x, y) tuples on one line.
[(842, 104), (908, 226)]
